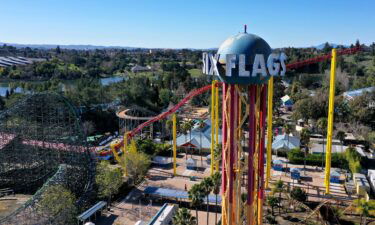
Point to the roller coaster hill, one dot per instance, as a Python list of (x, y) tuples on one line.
[(246, 100), (42, 144)]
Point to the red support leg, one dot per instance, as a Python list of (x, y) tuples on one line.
[(250, 173)]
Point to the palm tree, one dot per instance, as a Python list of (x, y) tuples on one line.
[(305, 139), (322, 126), (196, 196), (190, 126), (184, 129), (279, 188), (216, 183), (201, 125), (184, 217), (169, 126), (288, 130), (272, 202), (207, 187), (365, 208), (217, 155), (341, 136)]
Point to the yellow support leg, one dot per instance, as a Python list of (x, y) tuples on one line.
[(258, 202), (125, 150), (174, 144), (117, 157), (213, 101), (330, 120), (217, 123), (269, 131)]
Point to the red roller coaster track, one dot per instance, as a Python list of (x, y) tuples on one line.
[(208, 87), (322, 58)]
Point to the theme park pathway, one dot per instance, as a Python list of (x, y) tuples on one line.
[(135, 207), (11, 202), (312, 181)]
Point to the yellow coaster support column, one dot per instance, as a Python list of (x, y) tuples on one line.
[(213, 122), (330, 120), (269, 131), (124, 151), (216, 123), (117, 157), (174, 144)]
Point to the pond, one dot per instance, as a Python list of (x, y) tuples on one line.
[(5, 86)]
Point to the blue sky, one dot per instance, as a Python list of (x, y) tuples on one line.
[(185, 23)]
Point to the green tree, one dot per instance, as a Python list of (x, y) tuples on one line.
[(322, 126), (165, 96), (365, 208), (327, 47), (190, 125), (2, 103), (288, 130), (360, 108), (169, 126), (207, 187), (272, 201), (137, 164), (341, 136), (303, 109), (183, 217), (298, 194), (108, 180), (279, 187), (217, 152), (58, 204), (305, 140), (216, 183), (58, 50), (196, 196), (201, 125), (184, 129), (354, 159)]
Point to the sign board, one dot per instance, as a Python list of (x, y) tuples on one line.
[(244, 59), (236, 71)]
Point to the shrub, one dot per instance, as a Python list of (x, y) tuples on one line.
[(271, 219), (298, 194), (354, 159), (58, 204), (297, 156)]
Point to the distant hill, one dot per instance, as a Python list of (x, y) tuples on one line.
[(87, 47), (77, 47), (321, 46)]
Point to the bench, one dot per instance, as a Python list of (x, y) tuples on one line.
[(6, 191), (91, 211)]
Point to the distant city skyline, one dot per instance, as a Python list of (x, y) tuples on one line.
[(182, 24)]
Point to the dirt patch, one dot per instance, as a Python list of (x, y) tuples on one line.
[(10, 203)]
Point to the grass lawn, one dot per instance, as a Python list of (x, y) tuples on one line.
[(195, 72)]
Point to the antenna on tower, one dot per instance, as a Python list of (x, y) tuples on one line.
[(245, 28)]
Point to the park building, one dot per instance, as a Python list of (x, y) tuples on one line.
[(139, 69), (198, 138), (361, 183), (350, 95), (8, 61), (287, 103), (284, 142)]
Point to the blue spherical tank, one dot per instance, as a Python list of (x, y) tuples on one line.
[(249, 45)]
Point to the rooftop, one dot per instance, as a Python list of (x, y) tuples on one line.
[(356, 93)]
